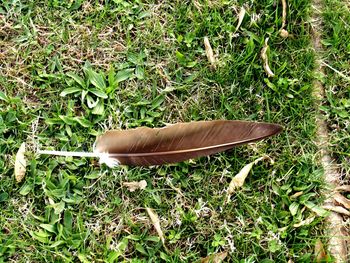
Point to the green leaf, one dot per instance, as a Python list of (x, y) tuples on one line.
[(48, 227), (342, 113), (25, 189), (111, 76), (191, 64), (99, 108), (83, 258), (133, 58), (67, 120), (316, 209), (4, 197), (191, 78), (41, 233), (83, 95), (40, 236), (113, 256), (77, 79), (153, 239), (157, 102), (96, 79), (120, 248), (124, 74), (180, 56), (293, 208), (270, 85), (53, 121), (58, 207), (70, 91), (141, 249), (305, 197), (122, 245), (274, 245), (99, 93), (68, 220), (144, 14), (345, 102), (57, 243), (76, 5), (93, 175), (3, 97), (91, 102), (133, 237), (83, 122), (140, 72)]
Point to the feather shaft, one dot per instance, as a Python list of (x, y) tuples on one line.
[(70, 154)]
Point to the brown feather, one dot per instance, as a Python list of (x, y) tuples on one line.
[(179, 142)]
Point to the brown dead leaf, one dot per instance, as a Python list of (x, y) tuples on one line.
[(132, 186), (155, 221), (342, 200), (20, 163), (343, 188), (214, 258), (239, 179), (240, 18), (266, 60), (209, 52), (337, 209), (320, 253)]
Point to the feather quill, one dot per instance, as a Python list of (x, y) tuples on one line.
[(179, 142)]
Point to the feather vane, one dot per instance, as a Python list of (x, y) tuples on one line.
[(175, 143)]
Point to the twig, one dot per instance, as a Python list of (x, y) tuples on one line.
[(284, 33)]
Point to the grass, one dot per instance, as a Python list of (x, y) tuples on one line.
[(336, 39), (71, 69)]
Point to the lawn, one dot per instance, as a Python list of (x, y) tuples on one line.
[(70, 70), (336, 106)]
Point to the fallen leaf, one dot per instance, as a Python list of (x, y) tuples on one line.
[(156, 223), (132, 186), (239, 179), (214, 258), (342, 200), (296, 195), (240, 18), (209, 52), (20, 163), (265, 59), (343, 188), (305, 222), (337, 209), (320, 253)]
